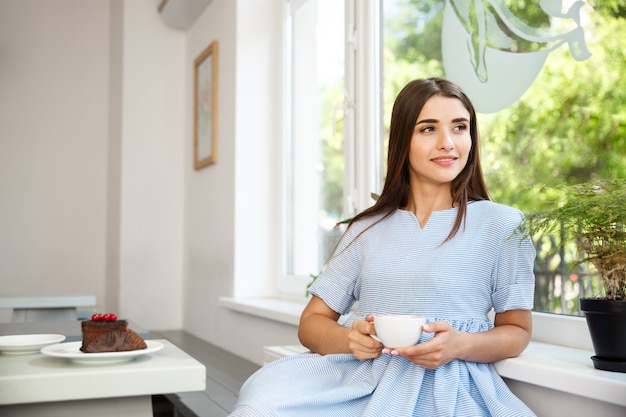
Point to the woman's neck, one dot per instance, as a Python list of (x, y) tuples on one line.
[(424, 202)]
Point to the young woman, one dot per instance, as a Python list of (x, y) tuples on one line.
[(433, 245)]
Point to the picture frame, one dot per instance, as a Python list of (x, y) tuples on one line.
[(205, 107)]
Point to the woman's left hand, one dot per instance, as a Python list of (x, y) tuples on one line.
[(441, 349)]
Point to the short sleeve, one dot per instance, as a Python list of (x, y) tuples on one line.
[(514, 276), (339, 284)]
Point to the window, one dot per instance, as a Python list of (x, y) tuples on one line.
[(546, 116), (531, 68), (314, 160), (330, 172)]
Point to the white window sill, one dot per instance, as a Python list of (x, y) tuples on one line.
[(283, 311), (565, 369), (546, 365)]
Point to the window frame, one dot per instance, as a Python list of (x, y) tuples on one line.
[(362, 124)]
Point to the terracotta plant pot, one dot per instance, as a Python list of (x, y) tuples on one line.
[(606, 320)]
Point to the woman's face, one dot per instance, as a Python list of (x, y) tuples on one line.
[(441, 142)]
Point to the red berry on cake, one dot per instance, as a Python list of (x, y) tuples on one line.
[(109, 317), (96, 317)]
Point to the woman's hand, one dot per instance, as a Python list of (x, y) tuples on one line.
[(362, 345), (508, 338), (441, 349), (320, 332)]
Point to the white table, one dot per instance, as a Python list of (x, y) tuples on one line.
[(36, 384), (46, 307)]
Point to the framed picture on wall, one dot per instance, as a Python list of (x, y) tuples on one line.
[(205, 108)]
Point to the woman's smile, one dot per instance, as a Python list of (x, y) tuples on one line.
[(445, 161)]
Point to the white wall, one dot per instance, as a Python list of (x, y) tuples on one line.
[(546, 402), (91, 155), (259, 154), (209, 192), (54, 95), (152, 155), (98, 190), (231, 217)]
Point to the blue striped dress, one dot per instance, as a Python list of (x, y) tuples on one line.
[(399, 267)]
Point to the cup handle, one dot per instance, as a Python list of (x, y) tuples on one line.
[(376, 338)]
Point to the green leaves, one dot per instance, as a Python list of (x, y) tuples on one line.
[(593, 216), (569, 127)]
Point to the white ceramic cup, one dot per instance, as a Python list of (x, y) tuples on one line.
[(398, 330)]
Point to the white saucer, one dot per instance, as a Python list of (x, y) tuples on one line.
[(72, 352), (20, 344)]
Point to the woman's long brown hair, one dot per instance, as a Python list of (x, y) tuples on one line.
[(468, 186)]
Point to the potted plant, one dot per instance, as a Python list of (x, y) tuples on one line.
[(593, 216)]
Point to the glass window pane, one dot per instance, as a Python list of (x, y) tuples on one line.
[(316, 160), (545, 78)]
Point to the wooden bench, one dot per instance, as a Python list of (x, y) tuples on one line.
[(225, 373)]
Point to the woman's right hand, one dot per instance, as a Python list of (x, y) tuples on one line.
[(360, 341)]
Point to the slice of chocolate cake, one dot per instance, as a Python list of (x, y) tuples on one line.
[(109, 336)]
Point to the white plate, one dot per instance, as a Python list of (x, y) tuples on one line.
[(72, 352), (20, 344)]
